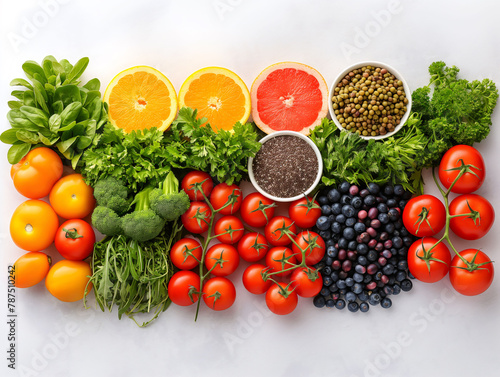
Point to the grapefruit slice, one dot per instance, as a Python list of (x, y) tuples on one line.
[(219, 95), (139, 98), (289, 96)]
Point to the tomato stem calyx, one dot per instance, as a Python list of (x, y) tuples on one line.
[(72, 233)]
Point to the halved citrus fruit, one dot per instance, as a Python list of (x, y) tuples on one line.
[(289, 96), (139, 98), (218, 94)]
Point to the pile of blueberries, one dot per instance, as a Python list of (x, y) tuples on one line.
[(366, 246)]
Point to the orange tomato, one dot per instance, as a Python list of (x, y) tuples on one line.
[(67, 280), (37, 172), (30, 269), (72, 198), (33, 225)]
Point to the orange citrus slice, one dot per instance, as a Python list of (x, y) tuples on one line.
[(289, 96), (218, 94), (140, 98)]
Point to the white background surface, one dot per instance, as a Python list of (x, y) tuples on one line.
[(428, 332)]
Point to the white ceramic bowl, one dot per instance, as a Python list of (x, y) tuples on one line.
[(374, 64), (318, 175)]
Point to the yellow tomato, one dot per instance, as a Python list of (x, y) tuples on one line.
[(67, 280), (30, 269), (33, 225), (37, 172), (72, 198)]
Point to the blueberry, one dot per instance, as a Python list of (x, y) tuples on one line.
[(407, 241), (330, 303), (397, 242), (349, 234), (357, 288), (352, 246), (391, 203), (357, 277), (325, 234), (388, 190), (353, 307), (333, 196), (348, 210), (364, 307), (333, 288), (334, 276), (323, 223), (336, 227), (362, 248), (349, 282), (364, 193), (329, 242), (406, 285), (372, 255), (382, 208), (343, 244), (328, 261), (350, 296), (324, 292), (393, 214), (388, 290), (341, 284), (398, 190), (374, 299), (362, 260), (350, 221), (344, 187), (383, 218), (400, 276), (341, 219), (357, 202), (370, 200), (336, 208), (386, 303), (322, 199), (326, 210), (403, 265), (340, 304), (359, 227), (345, 199), (373, 188), (332, 251), (327, 270), (363, 296), (360, 269), (396, 289), (388, 269), (319, 301)]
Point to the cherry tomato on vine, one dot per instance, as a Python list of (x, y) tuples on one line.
[(229, 229), (253, 279), (253, 247), (276, 231), (479, 221), (224, 193), (219, 293), (33, 225), (281, 299), (256, 210), (68, 280), (224, 257), (424, 215), (304, 212), (75, 239), (472, 278), (451, 163), (306, 281), (191, 179), (280, 258), (30, 269), (197, 218), (184, 287), (186, 253), (438, 260), (37, 172), (313, 245), (72, 198)]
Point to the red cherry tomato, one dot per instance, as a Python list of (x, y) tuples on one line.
[(304, 212), (472, 278), (219, 293), (184, 287), (276, 229), (186, 253), (252, 247), (479, 221), (437, 268), (281, 299), (224, 257), (223, 194), (306, 281), (75, 239), (313, 245), (450, 164), (253, 279), (197, 218), (424, 215), (256, 210), (229, 229), (280, 258), (190, 182)]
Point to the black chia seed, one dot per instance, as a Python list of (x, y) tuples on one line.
[(285, 166)]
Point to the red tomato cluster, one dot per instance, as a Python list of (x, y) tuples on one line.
[(35, 225), (469, 216), (280, 248)]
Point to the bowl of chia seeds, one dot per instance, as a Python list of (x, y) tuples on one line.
[(371, 99), (287, 166)]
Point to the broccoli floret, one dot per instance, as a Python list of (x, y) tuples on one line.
[(106, 221), (112, 193), (168, 202), (143, 224)]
